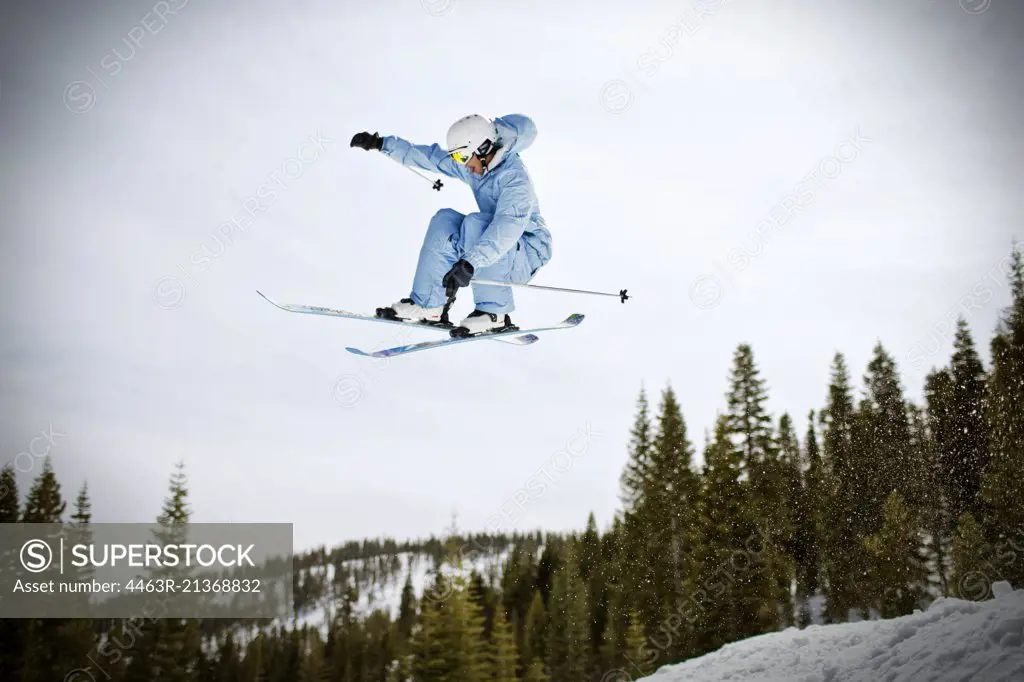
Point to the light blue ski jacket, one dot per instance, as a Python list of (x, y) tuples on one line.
[(504, 191)]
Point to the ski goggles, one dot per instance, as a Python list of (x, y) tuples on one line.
[(459, 157)]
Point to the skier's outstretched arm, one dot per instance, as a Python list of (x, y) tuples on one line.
[(511, 216), (425, 157)]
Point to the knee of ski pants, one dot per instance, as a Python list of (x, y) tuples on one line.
[(444, 228), (473, 227)]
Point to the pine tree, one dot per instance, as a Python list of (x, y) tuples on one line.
[(844, 558), (379, 648), (736, 599), (639, 656), (971, 566), (568, 645), (343, 652), (721, 504), (407, 609), (203, 660), (886, 461), (518, 574), (886, 452), (535, 672), (179, 639), (957, 451), (808, 514), (641, 514), (933, 504), (484, 598), (791, 513), (399, 670), (289, 666), (227, 667), (590, 548), (750, 429), (965, 454), (535, 631), (449, 643), (599, 573), (1003, 480), (670, 519), (898, 565), (430, 640), (42, 655), (636, 471), (613, 643), (44, 503), (254, 664), (12, 631), (550, 561), (471, 642), (168, 647), (9, 500), (55, 644), (659, 529), (427, 643), (503, 661), (76, 637), (79, 531), (746, 416), (610, 645), (312, 666)]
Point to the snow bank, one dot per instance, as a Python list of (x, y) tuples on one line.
[(952, 640)]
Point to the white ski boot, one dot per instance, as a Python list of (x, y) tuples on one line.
[(479, 322), (409, 311)]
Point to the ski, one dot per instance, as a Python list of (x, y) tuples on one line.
[(332, 312), (572, 321)]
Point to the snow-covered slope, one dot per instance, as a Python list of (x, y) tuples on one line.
[(387, 594), (951, 640)]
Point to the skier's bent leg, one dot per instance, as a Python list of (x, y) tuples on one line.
[(488, 297), (440, 250)]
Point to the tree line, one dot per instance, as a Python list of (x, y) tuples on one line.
[(869, 506)]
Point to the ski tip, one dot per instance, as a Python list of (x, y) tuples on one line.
[(386, 353), (575, 318), (271, 302)]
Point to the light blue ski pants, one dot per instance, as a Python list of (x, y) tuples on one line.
[(449, 236)]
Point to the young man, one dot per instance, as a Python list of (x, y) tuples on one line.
[(506, 240)]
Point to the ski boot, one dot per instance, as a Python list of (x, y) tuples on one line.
[(407, 311), (479, 322)]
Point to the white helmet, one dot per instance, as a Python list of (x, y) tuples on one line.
[(470, 135)]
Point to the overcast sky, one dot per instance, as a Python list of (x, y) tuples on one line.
[(806, 178)]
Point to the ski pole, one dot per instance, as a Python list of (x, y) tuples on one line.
[(621, 295), (437, 183), (448, 305)]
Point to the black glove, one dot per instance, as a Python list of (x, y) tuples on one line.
[(367, 141), (458, 276)]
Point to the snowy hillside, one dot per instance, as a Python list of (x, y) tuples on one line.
[(951, 640), (385, 593)]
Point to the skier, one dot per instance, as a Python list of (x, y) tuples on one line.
[(507, 240)]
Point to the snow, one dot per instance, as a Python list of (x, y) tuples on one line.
[(386, 595), (951, 640)]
